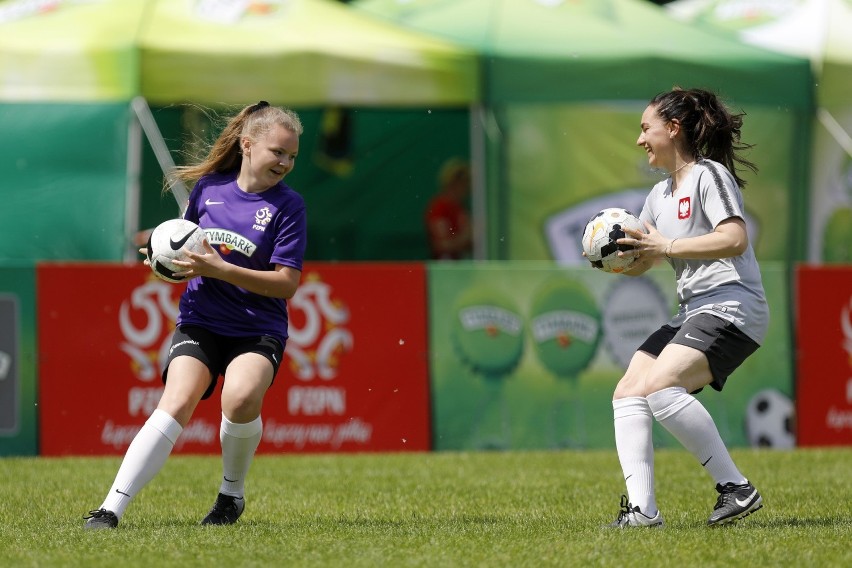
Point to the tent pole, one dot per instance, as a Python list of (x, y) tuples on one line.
[(132, 192), (478, 183), (835, 129), (161, 150)]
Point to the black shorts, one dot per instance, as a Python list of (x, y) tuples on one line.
[(724, 345), (217, 351)]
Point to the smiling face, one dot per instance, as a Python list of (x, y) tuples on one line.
[(268, 159), (657, 138)]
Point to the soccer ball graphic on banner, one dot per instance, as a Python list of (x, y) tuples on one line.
[(601, 234), (770, 420), (168, 241)]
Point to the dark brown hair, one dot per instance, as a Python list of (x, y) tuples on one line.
[(711, 130)]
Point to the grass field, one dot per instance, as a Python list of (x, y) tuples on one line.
[(431, 509)]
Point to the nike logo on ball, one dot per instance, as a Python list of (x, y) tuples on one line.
[(747, 500), (177, 245), (208, 202), (693, 338)]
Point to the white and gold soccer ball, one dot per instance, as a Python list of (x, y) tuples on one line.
[(601, 234), (168, 242)]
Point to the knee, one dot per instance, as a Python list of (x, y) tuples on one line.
[(628, 386), (179, 404), (241, 407)]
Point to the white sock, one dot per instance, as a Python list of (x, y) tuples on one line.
[(239, 442), (633, 440), (144, 458), (686, 418)]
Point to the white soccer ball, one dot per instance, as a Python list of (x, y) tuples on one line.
[(601, 234), (168, 241), (770, 420)]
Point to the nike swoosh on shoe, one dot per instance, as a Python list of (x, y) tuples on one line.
[(747, 500)]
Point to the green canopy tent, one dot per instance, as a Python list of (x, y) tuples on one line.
[(69, 71), (820, 30), (564, 83)]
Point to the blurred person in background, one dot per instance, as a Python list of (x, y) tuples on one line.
[(448, 225)]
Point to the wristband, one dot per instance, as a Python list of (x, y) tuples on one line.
[(669, 248)]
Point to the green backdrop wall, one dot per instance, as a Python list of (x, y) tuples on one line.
[(366, 174), (559, 178), (64, 171)]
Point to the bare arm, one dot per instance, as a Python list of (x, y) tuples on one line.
[(728, 239)]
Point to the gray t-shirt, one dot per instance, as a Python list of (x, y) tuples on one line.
[(729, 288)]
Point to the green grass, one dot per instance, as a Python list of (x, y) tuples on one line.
[(430, 509)]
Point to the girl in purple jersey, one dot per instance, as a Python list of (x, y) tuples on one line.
[(694, 220), (233, 318)]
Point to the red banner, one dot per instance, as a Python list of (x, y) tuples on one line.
[(355, 374), (824, 339)]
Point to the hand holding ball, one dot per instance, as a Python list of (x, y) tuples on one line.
[(168, 242), (601, 234)]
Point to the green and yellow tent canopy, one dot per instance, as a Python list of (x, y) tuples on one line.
[(579, 50), (305, 52), (69, 51)]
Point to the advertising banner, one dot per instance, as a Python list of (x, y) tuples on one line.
[(824, 355), (17, 362), (354, 377), (10, 380), (526, 355), (576, 176)]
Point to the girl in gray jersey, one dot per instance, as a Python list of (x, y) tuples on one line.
[(695, 222)]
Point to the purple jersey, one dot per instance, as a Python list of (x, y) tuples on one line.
[(252, 230)]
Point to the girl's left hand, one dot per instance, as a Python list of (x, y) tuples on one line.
[(646, 246), (207, 263)]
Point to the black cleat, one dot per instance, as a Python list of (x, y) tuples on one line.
[(734, 502), (225, 511), (100, 519)]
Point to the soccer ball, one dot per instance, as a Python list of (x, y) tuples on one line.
[(770, 420), (600, 235), (167, 243)]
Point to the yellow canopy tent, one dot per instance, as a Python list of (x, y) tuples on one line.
[(301, 52)]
